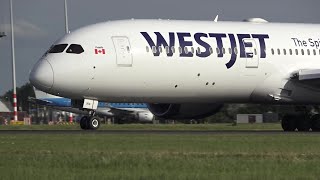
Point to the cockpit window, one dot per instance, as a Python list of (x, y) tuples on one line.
[(75, 49), (59, 48)]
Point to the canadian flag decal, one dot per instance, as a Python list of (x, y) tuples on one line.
[(99, 51)]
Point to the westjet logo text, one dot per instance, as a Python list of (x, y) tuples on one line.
[(246, 43)]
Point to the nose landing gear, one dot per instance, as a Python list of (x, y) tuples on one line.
[(90, 122)]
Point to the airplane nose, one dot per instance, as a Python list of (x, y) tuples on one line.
[(41, 75)]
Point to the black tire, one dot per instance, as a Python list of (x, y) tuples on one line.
[(288, 122), (303, 122), (94, 123), (84, 123), (303, 125), (315, 122)]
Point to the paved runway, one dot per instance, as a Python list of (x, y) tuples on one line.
[(160, 132)]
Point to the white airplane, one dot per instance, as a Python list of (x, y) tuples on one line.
[(186, 69), (136, 111)]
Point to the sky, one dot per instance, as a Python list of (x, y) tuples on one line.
[(39, 23)]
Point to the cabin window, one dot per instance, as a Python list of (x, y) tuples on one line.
[(198, 50), (278, 50), (223, 50), (314, 52), (284, 52), (297, 52), (147, 48), (186, 49), (173, 49), (272, 51), (167, 50), (255, 51), (290, 51), (218, 51), (59, 48), (210, 50), (160, 49), (154, 49), (302, 52), (192, 50), (180, 50), (75, 49), (235, 50), (229, 49)]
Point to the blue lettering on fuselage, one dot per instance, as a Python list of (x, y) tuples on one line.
[(206, 46), (186, 39)]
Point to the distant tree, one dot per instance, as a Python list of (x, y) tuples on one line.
[(229, 112), (23, 93), (225, 115), (256, 109)]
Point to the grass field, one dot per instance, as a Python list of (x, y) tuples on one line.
[(219, 126), (154, 156)]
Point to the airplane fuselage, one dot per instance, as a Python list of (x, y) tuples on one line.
[(169, 61)]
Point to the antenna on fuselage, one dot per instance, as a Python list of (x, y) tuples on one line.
[(216, 18)]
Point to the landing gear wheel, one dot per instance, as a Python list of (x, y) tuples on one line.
[(315, 122), (84, 122), (303, 122), (288, 122), (94, 123)]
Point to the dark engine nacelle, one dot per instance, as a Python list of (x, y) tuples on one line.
[(184, 111)]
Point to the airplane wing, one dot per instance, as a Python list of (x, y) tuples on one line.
[(39, 101), (127, 108), (307, 74), (310, 77), (123, 111), (50, 104), (140, 114)]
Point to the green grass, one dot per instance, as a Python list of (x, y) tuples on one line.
[(219, 126), (152, 156)]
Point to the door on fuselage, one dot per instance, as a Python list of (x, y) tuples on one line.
[(123, 50), (251, 52)]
